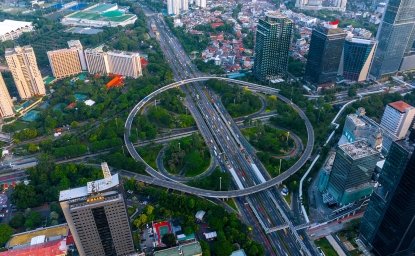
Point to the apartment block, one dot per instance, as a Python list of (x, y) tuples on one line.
[(78, 46), (97, 61), (6, 104), (26, 75), (113, 62), (124, 63), (64, 62)]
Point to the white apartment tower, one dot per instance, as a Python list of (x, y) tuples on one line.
[(113, 62), (23, 66), (6, 104), (97, 61), (201, 3), (184, 5), (397, 118), (124, 63), (173, 7)]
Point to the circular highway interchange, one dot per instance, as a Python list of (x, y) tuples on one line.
[(170, 183)]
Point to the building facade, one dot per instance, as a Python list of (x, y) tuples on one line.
[(26, 75), (64, 62), (125, 63), (351, 174), (97, 217), (325, 52), (397, 118), (388, 225), (173, 7), (113, 62), (6, 103), (97, 61), (273, 38), (395, 36), (356, 59), (76, 44)]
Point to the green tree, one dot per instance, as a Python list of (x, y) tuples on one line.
[(169, 240), (17, 221), (33, 220), (5, 233)]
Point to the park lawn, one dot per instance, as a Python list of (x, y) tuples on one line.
[(188, 156), (326, 247), (149, 154), (269, 139), (231, 203), (288, 199)]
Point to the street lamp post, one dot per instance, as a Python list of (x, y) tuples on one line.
[(220, 183)]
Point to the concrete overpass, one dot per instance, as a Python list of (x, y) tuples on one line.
[(164, 181)]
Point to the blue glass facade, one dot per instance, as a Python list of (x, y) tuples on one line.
[(395, 37), (388, 225), (357, 54)]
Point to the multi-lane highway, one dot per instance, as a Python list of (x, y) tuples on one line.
[(225, 140)]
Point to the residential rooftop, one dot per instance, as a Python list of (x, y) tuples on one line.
[(25, 238)]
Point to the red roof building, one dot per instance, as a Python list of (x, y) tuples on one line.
[(53, 248), (401, 106)]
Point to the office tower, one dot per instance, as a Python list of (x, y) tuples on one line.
[(398, 117), (273, 38), (97, 217), (6, 103), (356, 59), (388, 225), (26, 75), (173, 7), (124, 63), (395, 37), (64, 62), (97, 61), (78, 46), (351, 174), (325, 52)]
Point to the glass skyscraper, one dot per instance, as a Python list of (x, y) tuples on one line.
[(273, 38), (395, 37), (357, 58), (388, 225), (325, 52)]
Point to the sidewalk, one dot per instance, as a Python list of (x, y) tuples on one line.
[(335, 245)]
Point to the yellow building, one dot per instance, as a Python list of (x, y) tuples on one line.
[(23, 66), (6, 104), (64, 62)]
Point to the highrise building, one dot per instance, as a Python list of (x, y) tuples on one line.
[(78, 46), (388, 225), (97, 217), (6, 103), (273, 38), (351, 175), (26, 75), (395, 36), (184, 5), (397, 118), (325, 52), (97, 61), (113, 62), (173, 7), (64, 62), (124, 63), (356, 59)]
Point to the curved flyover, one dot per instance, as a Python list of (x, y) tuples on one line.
[(162, 180)]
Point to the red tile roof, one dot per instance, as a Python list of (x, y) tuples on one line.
[(401, 106)]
